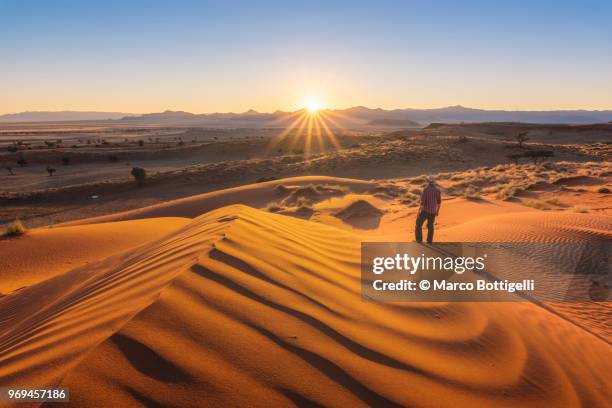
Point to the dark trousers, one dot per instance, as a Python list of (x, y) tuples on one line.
[(418, 229)]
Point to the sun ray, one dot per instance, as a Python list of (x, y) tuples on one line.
[(310, 127), (320, 141), (299, 133), (280, 138), (308, 142), (329, 133)]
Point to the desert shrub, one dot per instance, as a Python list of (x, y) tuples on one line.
[(603, 190), (282, 189), (12, 149), (416, 191), (65, 160), (553, 201), (507, 192), (10, 170), (139, 175), (14, 229), (515, 157), (50, 170), (491, 189), (303, 203), (112, 158), (538, 155), (521, 138), (264, 179), (273, 207), (302, 195), (389, 189), (463, 139), (539, 205), (471, 193), (580, 209), (409, 198), (21, 161)]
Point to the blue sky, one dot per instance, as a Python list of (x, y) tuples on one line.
[(142, 56)]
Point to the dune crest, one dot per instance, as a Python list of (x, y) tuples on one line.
[(194, 319)]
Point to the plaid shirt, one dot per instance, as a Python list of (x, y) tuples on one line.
[(431, 200)]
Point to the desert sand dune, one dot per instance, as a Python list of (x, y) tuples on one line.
[(46, 252), (244, 307)]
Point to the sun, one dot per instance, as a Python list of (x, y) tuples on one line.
[(313, 105)]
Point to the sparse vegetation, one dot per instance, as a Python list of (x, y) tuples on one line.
[(264, 179), (515, 157), (553, 201), (14, 229), (603, 190), (471, 193), (140, 175), (537, 204), (521, 138), (507, 192), (538, 155), (50, 170), (580, 209), (21, 161), (65, 160), (273, 207)]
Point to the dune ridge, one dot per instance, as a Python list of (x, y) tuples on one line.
[(242, 306)]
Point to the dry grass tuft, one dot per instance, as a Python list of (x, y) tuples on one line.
[(273, 207), (539, 205), (14, 229), (553, 201), (580, 209), (508, 192), (471, 193)]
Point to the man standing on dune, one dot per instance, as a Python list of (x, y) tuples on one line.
[(431, 199)]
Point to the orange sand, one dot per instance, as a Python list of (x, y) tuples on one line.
[(45, 252), (242, 307)]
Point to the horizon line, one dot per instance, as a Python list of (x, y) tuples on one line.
[(168, 110)]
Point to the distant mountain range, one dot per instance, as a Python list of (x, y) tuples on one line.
[(356, 117), (60, 116)]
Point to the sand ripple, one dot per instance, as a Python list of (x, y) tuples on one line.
[(242, 307)]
